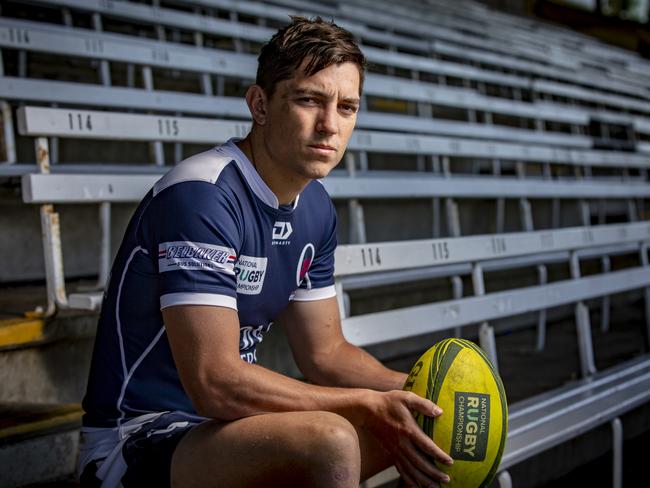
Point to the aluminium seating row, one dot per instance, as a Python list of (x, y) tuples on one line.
[(366, 144), (353, 185), (377, 36), (520, 38), (83, 43), (509, 40), (258, 33), (236, 64), (24, 89)]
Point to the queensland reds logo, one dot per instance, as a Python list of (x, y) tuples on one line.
[(306, 258)]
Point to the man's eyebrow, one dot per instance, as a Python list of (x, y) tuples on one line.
[(354, 100)]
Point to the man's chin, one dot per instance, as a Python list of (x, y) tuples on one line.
[(318, 169), (319, 173)]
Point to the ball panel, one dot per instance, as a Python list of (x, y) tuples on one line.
[(504, 414), (443, 359)]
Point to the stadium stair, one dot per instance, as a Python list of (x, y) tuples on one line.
[(38, 442), (41, 363)]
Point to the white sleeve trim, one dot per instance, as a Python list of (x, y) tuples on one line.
[(213, 299), (303, 295)]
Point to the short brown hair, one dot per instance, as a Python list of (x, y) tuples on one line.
[(322, 43)]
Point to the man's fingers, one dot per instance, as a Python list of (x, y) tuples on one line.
[(419, 438), (424, 464), (422, 405), (426, 445), (413, 476), (407, 478)]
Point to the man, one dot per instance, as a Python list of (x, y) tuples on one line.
[(225, 243)]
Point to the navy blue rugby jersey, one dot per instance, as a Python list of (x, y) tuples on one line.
[(210, 232)]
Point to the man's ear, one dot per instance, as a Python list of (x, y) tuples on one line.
[(257, 101)]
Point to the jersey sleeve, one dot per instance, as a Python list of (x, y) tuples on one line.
[(317, 280), (198, 234)]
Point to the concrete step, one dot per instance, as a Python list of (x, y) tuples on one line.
[(38, 442)]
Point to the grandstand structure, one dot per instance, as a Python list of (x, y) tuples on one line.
[(496, 188)]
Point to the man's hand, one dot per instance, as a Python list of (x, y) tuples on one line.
[(391, 422)]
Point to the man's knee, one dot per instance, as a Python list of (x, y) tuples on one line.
[(332, 449), (331, 434), (294, 448)]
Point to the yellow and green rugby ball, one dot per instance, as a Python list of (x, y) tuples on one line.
[(456, 375)]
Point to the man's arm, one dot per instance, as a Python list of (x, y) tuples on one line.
[(323, 354), (327, 358), (205, 344), (204, 341)]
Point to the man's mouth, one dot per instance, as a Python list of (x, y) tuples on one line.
[(322, 147)]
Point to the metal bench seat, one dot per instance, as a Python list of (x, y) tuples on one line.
[(539, 423), (544, 421), (96, 188), (165, 102), (84, 94), (558, 64), (108, 125), (379, 327), (71, 93), (533, 47), (383, 278)]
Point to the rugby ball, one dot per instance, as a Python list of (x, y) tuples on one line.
[(456, 375)]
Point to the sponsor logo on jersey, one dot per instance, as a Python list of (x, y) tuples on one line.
[(250, 272), (251, 335), (302, 271), (177, 255), (281, 233)]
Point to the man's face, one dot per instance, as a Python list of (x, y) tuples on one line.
[(310, 120)]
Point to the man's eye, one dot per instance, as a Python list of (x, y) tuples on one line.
[(349, 108)]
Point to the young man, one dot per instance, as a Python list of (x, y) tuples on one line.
[(226, 243)]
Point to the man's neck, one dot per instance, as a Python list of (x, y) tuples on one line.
[(286, 187)]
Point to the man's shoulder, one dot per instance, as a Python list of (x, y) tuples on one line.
[(209, 167)]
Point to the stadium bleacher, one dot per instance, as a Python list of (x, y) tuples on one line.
[(494, 154)]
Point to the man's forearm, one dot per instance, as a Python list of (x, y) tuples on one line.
[(247, 389), (352, 367)]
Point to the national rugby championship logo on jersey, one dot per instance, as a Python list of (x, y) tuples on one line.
[(306, 258), (177, 255), (250, 272)]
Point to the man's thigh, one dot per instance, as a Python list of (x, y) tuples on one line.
[(283, 449)]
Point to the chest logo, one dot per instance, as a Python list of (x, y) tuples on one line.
[(281, 232), (250, 273), (302, 271)]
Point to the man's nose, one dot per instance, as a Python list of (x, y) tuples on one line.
[(327, 122)]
